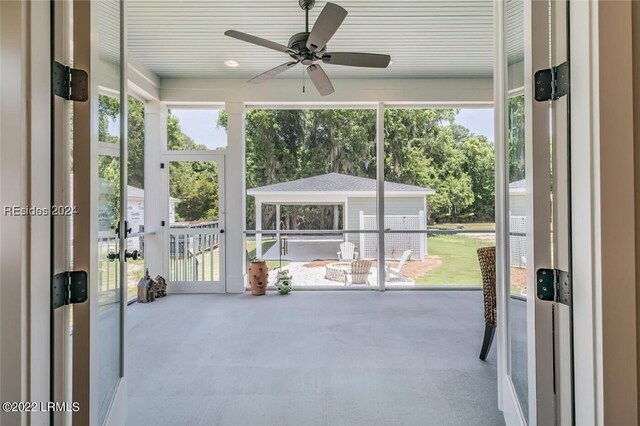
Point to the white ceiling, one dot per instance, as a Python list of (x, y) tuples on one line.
[(425, 38)]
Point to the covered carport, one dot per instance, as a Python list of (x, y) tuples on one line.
[(357, 197)]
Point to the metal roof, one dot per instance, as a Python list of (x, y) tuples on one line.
[(338, 182)]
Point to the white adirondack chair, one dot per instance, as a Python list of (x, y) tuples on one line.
[(397, 272), (360, 271), (347, 251)]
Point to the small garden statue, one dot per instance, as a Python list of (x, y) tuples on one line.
[(283, 283)]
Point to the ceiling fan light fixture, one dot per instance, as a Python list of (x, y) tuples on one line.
[(231, 63)]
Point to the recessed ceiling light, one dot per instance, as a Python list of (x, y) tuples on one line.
[(231, 63)]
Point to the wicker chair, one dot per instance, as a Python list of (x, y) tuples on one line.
[(487, 260), (359, 271)]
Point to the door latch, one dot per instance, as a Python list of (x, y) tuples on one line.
[(554, 285)]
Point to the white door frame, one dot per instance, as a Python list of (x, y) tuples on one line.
[(191, 287), (537, 158), (602, 172)]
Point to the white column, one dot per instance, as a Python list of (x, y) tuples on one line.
[(336, 217), (380, 192), (258, 228), (278, 224), (156, 203), (235, 199)]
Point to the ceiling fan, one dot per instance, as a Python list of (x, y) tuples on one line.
[(310, 47)]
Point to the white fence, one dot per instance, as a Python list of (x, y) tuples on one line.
[(518, 241), (194, 253), (395, 244)]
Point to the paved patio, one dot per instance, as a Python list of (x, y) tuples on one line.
[(307, 248)]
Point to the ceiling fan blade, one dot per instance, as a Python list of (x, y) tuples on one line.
[(371, 60), (320, 80), (325, 26), (272, 72), (257, 40)]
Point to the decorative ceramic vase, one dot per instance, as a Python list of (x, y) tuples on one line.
[(283, 283), (258, 277)]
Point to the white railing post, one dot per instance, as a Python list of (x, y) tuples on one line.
[(258, 228), (362, 239), (422, 237)]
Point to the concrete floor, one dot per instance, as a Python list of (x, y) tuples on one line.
[(311, 358), (307, 248)]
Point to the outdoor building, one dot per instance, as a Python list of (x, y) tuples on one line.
[(135, 214), (406, 208)]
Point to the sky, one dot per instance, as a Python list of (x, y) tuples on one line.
[(200, 125), (478, 121)]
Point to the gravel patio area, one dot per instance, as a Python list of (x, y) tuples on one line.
[(306, 275)]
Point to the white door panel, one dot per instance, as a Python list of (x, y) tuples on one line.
[(195, 241), (534, 348), (100, 194)]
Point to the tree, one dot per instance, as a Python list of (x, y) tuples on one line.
[(516, 142), (479, 165), (422, 147), (194, 183), (135, 143)]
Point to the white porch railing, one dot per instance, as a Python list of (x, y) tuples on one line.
[(194, 253)]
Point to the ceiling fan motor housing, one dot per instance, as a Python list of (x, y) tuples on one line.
[(307, 4), (298, 43)]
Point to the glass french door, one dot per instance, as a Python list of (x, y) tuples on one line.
[(99, 187), (533, 215), (194, 223)]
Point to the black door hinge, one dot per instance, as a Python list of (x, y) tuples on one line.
[(554, 285), (553, 83), (69, 287), (162, 165), (70, 83)]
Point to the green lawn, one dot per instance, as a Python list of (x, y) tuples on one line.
[(458, 260), (480, 226)]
